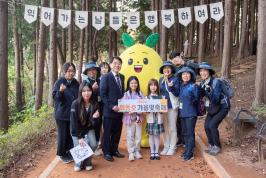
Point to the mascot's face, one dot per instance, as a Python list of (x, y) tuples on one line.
[(141, 61)]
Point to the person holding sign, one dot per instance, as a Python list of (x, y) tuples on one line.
[(154, 121), (188, 104), (169, 88), (132, 120), (84, 115), (65, 91)]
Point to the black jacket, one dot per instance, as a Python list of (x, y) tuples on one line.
[(77, 129), (110, 94), (63, 100)]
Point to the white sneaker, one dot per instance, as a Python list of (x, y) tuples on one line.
[(89, 168), (138, 155), (131, 157), (164, 152), (170, 152), (76, 168), (98, 152)]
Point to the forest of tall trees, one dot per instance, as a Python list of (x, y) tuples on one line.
[(31, 55)]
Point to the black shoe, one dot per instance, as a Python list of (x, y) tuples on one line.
[(157, 156), (118, 155), (108, 157), (152, 157)]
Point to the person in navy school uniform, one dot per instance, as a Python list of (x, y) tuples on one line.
[(111, 90), (217, 104), (188, 101), (65, 91)]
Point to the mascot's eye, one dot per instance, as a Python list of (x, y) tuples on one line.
[(145, 61), (130, 61)]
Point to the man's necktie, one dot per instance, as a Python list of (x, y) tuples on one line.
[(118, 82)]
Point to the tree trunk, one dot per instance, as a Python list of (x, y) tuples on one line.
[(60, 55), (201, 49), (164, 36), (157, 28), (217, 38), (110, 40), (70, 34), (81, 45), (226, 60), (237, 23), (191, 32), (22, 72), (64, 37), (53, 55), (221, 39), (17, 62), (243, 30), (36, 56), (252, 26), (4, 65), (260, 81), (40, 65)]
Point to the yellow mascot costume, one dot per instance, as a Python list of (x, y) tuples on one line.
[(143, 62)]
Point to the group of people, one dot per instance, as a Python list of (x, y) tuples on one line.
[(88, 113)]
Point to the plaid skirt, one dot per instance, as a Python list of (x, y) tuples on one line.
[(154, 128)]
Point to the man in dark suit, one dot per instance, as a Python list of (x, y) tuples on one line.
[(111, 90)]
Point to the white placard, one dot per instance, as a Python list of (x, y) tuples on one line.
[(201, 13), (168, 17), (64, 17), (217, 10), (30, 13), (80, 153), (81, 19), (47, 15), (133, 20), (115, 20), (184, 15), (142, 105), (98, 20), (151, 19)]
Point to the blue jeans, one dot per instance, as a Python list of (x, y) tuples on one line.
[(188, 131), (91, 141)]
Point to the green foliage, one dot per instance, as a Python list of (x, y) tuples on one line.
[(152, 40), (21, 136), (260, 109), (127, 40)]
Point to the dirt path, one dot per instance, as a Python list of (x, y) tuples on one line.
[(167, 167)]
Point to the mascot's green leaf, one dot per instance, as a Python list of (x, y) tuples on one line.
[(152, 40), (127, 40)]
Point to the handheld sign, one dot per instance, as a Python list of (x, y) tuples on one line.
[(142, 105), (80, 153)]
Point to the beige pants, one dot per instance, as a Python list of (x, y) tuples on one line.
[(133, 132), (170, 135)]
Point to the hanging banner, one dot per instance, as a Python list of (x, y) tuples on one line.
[(115, 20), (30, 13), (184, 16), (217, 11), (201, 13), (47, 15), (81, 19), (98, 20), (133, 20), (168, 17), (151, 19), (64, 17)]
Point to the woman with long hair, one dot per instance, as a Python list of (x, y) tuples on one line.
[(84, 113)]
